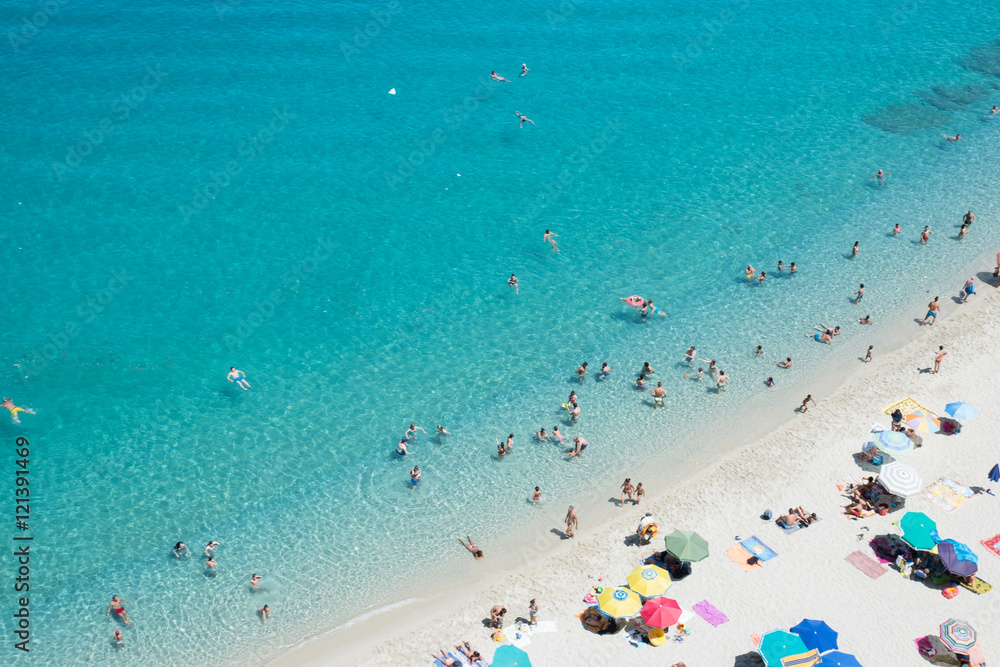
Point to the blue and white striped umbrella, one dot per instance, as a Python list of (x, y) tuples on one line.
[(961, 410)]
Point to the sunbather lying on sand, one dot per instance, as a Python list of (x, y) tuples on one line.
[(469, 652), (445, 659)]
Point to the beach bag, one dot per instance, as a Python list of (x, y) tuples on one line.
[(753, 560)]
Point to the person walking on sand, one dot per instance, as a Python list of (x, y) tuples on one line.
[(522, 118), (968, 290), (239, 377), (658, 394), (860, 294), (805, 403), (512, 283), (868, 355), (880, 176), (938, 358), (551, 238), (933, 308), (117, 605), (639, 493), (532, 612), (572, 522), (627, 490)]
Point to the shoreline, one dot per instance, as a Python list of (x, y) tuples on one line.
[(368, 641)]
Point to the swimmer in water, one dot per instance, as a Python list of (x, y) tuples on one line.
[(510, 443), (994, 110), (787, 363), (501, 450), (551, 238), (720, 383), (180, 550), (265, 611), (880, 176), (751, 272), (760, 278), (442, 431), (689, 355), (581, 372), (823, 338), (255, 582), (536, 496), (961, 232), (658, 394), (210, 547), (210, 565), (781, 267), (117, 605), (925, 235), (239, 377), (13, 409), (119, 639), (867, 319), (512, 283), (896, 230), (759, 352), (414, 477), (656, 311), (835, 331), (581, 445), (522, 118), (542, 435), (525, 70), (640, 383), (857, 249), (646, 369), (605, 370), (769, 382), (792, 268), (556, 433), (401, 448), (957, 137), (412, 431), (969, 217), (476, 552), (497, 77)]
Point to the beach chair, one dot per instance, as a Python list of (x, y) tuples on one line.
[(807, 659), (905, 567)]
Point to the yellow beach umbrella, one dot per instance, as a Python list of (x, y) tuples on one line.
[(923, 422), (618, 603), (649, 580)]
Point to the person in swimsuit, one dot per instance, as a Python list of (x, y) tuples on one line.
[(445, 659), (581, 372), (938, 358), (255, 582), (532, 612), (605, 370), (933, 308), (572, 397), (781, 267), (572, 522), (117, 605), (412, 431), (210, 547), (646, 369), (476, 552), (210, 565), (759, 352), (689, 355), (925, 235), (792, 268), (957, 137), (639, 493), (414, 477), (239, 377), (525, 70), (522, 118), (859, 295), (880, 176), (769, 382), (805, 403), (868, 356), (13, 409), (751, 272), (401, 447), (442, 431), (856, 249), (627, 490), (787, 363), (640, 383), (501, 450), (961, 232), (896, 230), (265, 611), (658, 394), (867, 319), (542, 435), (656, 311), (556, 433), (119, 639), (574, 412), (581, 445), (969, 218), (969, 289), (497, 77), (720, 383), (712, 368), (760, 278), (823, 337), (512, 282), (995, 109), (180, 549), (550, 237), (699, 374), (536, 496)]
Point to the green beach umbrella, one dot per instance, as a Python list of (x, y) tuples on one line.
[(919, 530), (778, 644), (509, 655), (687, 545)]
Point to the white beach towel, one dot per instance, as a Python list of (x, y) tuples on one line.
[(544, 626), (511, 636)]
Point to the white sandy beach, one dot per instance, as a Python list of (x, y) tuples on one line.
[(801, 462)]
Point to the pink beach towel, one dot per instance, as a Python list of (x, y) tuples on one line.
[(710, 613), (991, 545), (866, 564)]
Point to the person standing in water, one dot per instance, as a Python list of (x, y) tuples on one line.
[(414, 477), (689, 355), (781, 267), (117, 605), (880, 176), (792, 268), (933, 308), (512, 283), (442, 431), (860, 294), (239, 377), (857, 249), (557, 434), (581, 372), (750, 271), (896, 230), (536, 496), (265, 611), (119, 639), (720, 383), (605, 370), (572, 522), (925, 235), (181, 550), (412, 431), (969, 218), (938, 358), (580, 445), (658, 394), (759, 352), (551, 238)]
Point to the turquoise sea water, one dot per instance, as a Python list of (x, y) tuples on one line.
[(194, 186)]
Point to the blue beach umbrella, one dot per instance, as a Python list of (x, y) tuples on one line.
[(893, 442), (838, 659), (995, 473), (509, 655), (961, 410), (816, 634)]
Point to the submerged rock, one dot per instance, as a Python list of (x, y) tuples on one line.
[(937, 101), (984, 58), (906, 118), (962, 94)]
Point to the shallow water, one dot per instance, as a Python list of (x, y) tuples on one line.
[(252, 196)]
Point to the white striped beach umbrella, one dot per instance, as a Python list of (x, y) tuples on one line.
[(900, 479)]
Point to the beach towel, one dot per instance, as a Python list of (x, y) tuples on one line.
[(807, 659), (907, 406), (992, 545), (978, 586), (866, 564), (543, 626), (758, 548), (517, 638), (864, 514), (438, 663), (740, 556), (850, 480), (789, 529), (710, 613), (947, 494)]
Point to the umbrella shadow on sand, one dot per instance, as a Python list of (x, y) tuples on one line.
[(868, 466), (749, 659)]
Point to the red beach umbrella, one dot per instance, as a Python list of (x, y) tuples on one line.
[(660, 612)]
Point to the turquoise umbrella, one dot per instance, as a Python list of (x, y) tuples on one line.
[(893, 442), (919, 530), (779, 644), (961, 410), (509, 655)]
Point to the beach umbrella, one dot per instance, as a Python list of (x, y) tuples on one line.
[(958, 635), (661, 612), (509, 655), (618, 603), (816, 634), (961, 410), (923, 422), (919, 530), (687, 545), (899, 479), (958, 558), (838, 659), (893, 442), (649, 580), (778, 644), (995, 473)]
